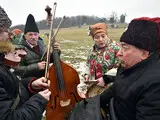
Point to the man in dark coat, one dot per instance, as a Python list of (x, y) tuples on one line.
[(33, 64), (19, 100), (136, 91)]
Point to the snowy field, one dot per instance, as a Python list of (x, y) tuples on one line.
[(74, 54)]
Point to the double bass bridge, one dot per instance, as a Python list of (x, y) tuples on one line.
[(65, 103)]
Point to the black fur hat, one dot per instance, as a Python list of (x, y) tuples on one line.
[(144, 33), (30, 25)]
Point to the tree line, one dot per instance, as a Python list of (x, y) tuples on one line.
[(79, 20)]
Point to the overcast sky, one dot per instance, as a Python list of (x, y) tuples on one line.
[(18, 10)]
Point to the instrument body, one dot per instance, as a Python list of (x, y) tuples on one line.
[(66, 93)]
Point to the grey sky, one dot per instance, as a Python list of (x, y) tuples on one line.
[(18, 10)]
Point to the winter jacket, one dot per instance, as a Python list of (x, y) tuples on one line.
[(136, 91), (30, 107)]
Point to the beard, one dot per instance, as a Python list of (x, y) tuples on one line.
[(6, 46)]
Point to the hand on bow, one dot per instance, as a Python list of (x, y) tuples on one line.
[(46, 94), (41, 83)]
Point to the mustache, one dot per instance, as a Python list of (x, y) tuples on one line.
[(6, 46), (32, 39)]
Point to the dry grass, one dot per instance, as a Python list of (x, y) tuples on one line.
[(75, 42)]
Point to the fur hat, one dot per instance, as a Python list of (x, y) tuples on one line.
[(30, 25), (144, 33), (97, 28), (5, 22)]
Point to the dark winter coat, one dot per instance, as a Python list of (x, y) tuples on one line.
[(136, 91), (29, 64), (29, 107)]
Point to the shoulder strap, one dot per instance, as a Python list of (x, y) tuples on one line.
[(16, 102)]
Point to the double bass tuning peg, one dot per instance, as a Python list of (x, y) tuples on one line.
[(49, 15), (48, 10)]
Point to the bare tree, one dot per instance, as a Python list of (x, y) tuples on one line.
[(113, 17), (123, 18)]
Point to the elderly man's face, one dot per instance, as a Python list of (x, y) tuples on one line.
[(32, 37), (129, 55)]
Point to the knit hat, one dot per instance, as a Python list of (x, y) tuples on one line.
[(5, 22), (97, 28), (30, 25), (144, 33)]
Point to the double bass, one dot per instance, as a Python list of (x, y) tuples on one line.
[(64, 80)]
